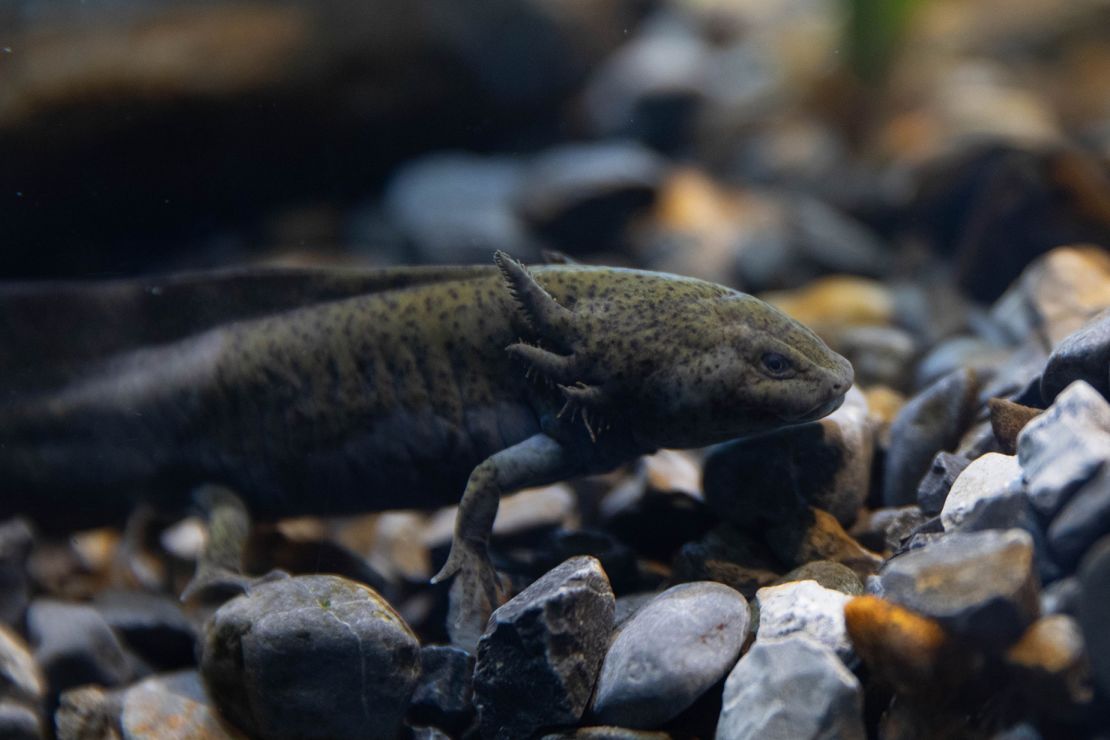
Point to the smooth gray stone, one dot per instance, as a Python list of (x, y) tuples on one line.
[(1083, 355), (74, 645), (932, 421), (152, 625), (311, 657), (981, 585), (18, 722), (539, 657), (985, 479), (791, 688), (1065, 447), (1094, 610), (444, 696), (1082, 521), (457, 207), (669, 653), (934, 487)]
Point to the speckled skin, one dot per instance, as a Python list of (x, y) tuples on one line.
[(407, 397)]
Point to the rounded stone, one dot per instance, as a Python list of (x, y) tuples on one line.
[(311, 657), (174, 707), (669, 653), (987, 477), (981, 586)]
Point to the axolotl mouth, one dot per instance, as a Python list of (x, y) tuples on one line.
[(819, 411)]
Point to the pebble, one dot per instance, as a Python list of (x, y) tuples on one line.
[(1007, 421), (456, 207), (880, 355), (16, 540), (152, 625), (18, 722), (886, 529), (984, 479), (791, 688), (982, 586), (548, 641), (1051, 665), (908, 651), (754, 481), (88, 712), (607, 733), (1083, 355), (173, 706), (727, 555), (669, 653), (817, 535), (807, 608), (837, 301), (22, 688), (827, 574), (1082, 521), (74, 645), (580, 197), (1065, 447), (444, 695), (935, 485), (1094, 610), (311, 656), (931, 421)]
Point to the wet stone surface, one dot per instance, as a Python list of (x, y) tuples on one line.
[(669, 652), (548, 641), (311, 656)]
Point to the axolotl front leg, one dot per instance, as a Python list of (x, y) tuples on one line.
[(536, 461)]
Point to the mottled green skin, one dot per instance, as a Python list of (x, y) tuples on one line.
[(391, 399)]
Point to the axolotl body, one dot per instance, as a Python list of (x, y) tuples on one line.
[(473, 382)]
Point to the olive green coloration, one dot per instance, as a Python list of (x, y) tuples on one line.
[(475, 381)]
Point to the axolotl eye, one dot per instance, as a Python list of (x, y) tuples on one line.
[(776, 365)]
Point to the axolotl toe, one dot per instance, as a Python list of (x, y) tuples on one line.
[(429, 385)]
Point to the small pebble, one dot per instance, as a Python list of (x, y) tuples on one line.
[(827, 574), (1051, 665), (988, 477), (74, 645), (669, 653), (793, 688), (1083, 355), (173, 706), (444, 695), (807, 608), (937, 482), (1094, 610)]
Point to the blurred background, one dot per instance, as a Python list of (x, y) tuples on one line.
[(759, 143)]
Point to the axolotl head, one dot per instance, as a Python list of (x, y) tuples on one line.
[(732, 366), (681, 362)]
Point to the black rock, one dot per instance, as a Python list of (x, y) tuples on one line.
[(1083, 355), (152, 625), (669, 653), (981, 586), (311, 657), (827, 574), (16, 540), (932, 421), (934, 487), (1094, 610), (887, 529), (540, 655), (777, 476), (444, 695), (18, 722), (581, 197), (74, 645)]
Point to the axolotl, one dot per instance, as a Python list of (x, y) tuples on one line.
[(437, 386)]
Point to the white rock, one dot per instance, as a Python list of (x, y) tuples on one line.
[(986, 477), (808, 608)]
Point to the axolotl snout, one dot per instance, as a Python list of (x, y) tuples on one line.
[(475, 381)]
